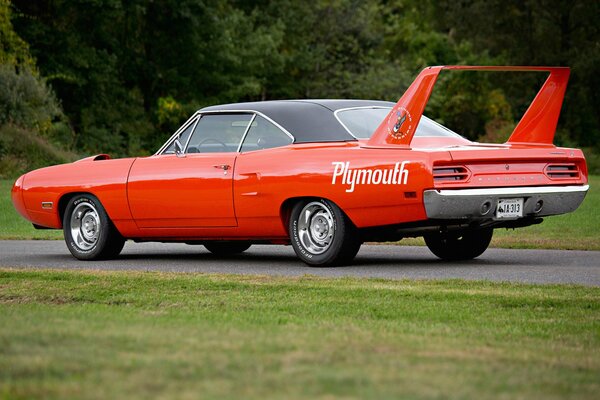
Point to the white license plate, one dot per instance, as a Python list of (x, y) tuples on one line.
[(510, 208)]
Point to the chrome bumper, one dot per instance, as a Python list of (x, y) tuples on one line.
[(482, 203)]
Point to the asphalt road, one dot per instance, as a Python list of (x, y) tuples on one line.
[(395, 262)]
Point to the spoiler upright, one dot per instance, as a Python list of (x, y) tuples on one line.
[(538, 124)]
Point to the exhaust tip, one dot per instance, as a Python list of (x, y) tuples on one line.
[(485, 207)]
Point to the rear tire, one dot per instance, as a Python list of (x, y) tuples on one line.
[(89, 233), (227, 248), (456, 246), (322, 235)]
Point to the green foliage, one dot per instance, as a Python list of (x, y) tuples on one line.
[(592, 158), (23, 150), (118, 127), (13, 49), (128, 73), (25, 100), (33, 127), (537, 32), (468, 103), (170, 114)]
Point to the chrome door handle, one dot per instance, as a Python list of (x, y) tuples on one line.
[(224, 167)]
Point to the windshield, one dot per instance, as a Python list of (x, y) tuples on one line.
[(362, 122)]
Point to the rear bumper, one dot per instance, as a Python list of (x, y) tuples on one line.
[(481, 204)]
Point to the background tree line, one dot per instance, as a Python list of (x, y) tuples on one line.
[(119, 76)]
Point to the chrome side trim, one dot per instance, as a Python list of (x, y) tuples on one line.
[(246, 133), (187, 142), (529, 190), (177, 132)]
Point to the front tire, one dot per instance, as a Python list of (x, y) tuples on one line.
[(456, 246), (89, 233), (227, 248), (322, 235)]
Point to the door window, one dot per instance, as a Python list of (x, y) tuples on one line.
[(218, 133), (263, 134)]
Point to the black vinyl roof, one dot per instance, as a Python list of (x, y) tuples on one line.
[(306, 120)]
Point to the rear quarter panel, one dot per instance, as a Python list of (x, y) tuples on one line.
[(265, 179)]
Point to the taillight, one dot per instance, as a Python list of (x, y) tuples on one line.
[(450, 174), (562, 171)]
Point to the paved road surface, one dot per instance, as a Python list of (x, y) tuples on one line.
[(396, 262)]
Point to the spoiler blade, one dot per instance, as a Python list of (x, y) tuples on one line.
[(538, 124), (399, 127)]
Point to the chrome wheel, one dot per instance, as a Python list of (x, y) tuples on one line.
[(85, 226), (316, 227), (321, 234)]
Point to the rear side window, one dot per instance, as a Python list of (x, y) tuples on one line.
[(218, 133), (264, 135), (362, 122)]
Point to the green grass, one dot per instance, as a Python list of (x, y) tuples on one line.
[(578, 230), (132, 335)]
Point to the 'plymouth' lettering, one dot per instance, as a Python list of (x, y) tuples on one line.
[(352, 177)]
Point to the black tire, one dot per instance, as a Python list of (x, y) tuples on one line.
[(89, 233), (322, 235), (227, 248), (455, 246)]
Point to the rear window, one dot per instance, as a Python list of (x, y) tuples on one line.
[(362, 122)]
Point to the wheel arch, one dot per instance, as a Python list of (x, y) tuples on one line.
[(285, 211), (64, 199)]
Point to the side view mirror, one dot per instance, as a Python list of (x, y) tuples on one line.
[(178, 148)]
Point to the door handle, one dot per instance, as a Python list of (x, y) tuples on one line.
[(224, 167)]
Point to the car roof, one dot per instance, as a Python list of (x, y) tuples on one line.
[(307, 120)]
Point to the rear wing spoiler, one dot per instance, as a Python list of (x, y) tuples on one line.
[(537, 126)]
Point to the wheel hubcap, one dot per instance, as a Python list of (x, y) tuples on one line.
[(85, 226), (316, 228)]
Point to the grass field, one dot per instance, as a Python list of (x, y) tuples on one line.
[(578, 230), (138, 335)]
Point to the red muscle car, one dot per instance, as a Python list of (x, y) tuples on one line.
[(322, 175)]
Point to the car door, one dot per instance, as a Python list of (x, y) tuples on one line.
[(193, 189)]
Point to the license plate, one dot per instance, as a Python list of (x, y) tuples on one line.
[(510, 208)]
